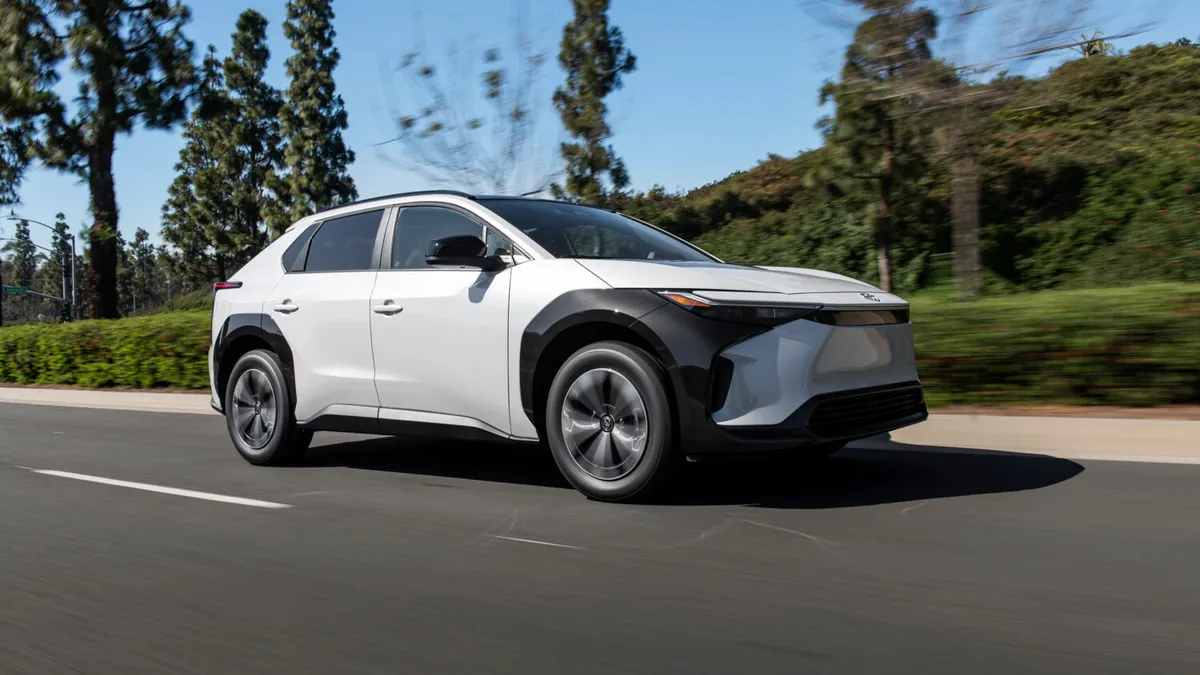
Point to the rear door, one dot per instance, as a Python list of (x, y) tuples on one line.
[(322, 307)]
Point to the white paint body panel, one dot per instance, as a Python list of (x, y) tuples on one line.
[(536, 284), (696, 276), (446, 351), (776, 372), (258, 276), (330, 337)]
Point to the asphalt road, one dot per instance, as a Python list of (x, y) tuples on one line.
[(409, 557)]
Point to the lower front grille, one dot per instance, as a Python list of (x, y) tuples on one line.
[(861, 411)]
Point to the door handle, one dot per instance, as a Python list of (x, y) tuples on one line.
[(388, 307), (285, 307)]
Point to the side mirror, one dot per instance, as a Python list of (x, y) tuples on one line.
[(465, 250)]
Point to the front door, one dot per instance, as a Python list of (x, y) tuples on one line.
[(323, 311), (440, 335)]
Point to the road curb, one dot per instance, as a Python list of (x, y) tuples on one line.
[(133, 401)]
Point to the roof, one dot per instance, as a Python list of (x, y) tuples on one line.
[(455, 193)]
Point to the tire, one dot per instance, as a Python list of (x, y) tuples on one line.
[(622, 391), (262, 425)]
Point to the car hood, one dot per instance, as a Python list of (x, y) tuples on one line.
[(721, 278)]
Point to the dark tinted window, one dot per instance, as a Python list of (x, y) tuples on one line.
[(416, 226), (344, 244), (575, 231), (293, 251)]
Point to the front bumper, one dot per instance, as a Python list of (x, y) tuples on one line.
[(745, 389)]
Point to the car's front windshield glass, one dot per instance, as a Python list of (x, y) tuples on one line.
[(576, 231)]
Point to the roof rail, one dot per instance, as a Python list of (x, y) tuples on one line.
[(416, 193)]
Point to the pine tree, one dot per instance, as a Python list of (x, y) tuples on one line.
[(29, 52), (257, 145), (594, 56), (22, 269), (23, 256), (870, 144), (135, 67), (141, 257), (127, 301), (56, 273), (200, 210), (313, 118)]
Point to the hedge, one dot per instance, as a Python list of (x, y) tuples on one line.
[(1117, 346), (165, 350), (1126, 346)]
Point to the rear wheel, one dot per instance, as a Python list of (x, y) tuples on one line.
[(608, 422), (258, 412)]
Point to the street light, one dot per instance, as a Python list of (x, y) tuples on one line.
[(12, 215), (49, 297)]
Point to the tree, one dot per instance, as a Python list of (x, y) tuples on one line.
[(57, 270), (871, 145), (313, 118), (23, 266), (954, 94), (23, 255), (256, 154), (1095, 45), (29, 50), (135, 66), (201, 207), (594, 56), (443, 139), (140, 256)]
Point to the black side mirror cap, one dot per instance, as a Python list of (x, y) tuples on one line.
[(464, 250)]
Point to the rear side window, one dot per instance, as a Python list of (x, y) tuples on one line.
[(344, 244), (293, 252)]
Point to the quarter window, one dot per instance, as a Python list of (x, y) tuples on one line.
[(344, 244), (417, 226)]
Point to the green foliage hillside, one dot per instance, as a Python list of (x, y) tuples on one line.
[(1090, 177)]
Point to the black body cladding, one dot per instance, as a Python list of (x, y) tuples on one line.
[(686, 344), (258, 326)]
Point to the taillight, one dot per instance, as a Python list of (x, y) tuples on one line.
[(223, 285)]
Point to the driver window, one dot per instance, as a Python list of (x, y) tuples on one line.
[(416, 226)]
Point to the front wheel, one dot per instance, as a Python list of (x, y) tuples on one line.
[(608, 422), (258, 412)]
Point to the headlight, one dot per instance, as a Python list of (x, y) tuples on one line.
[(766, 315)]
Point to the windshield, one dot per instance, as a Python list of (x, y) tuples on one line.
[(575, 231)]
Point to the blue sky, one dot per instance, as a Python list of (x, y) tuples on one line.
[(719, 85)]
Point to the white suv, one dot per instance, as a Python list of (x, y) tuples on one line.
[(623, 348)]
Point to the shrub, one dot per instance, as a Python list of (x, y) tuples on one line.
[(165, 350), (1118, 346)]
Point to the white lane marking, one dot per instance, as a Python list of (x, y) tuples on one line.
[(161, 489), (535, 541)]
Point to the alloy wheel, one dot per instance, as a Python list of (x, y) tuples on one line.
[(604, 424), (254, 408)]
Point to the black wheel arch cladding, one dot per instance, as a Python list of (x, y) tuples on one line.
[(685, 343), (251, 331)]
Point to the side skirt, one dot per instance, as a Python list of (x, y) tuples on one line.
[(415, 423)]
